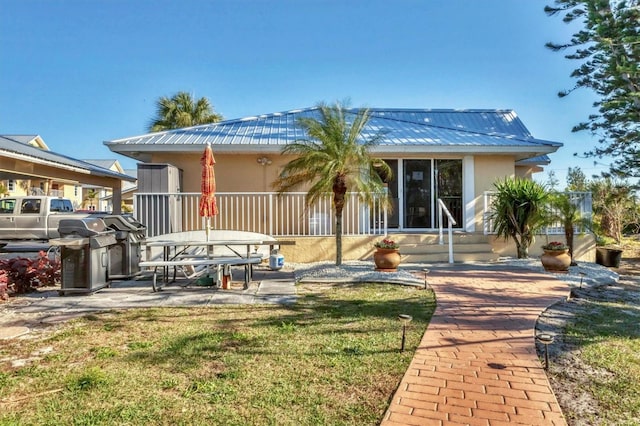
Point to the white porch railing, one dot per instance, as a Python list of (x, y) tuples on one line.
[(442, 208), (265, 213), (581, 199)]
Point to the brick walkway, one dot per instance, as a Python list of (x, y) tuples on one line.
[(477, 362)]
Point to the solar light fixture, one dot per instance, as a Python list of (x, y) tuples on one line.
[(426, 272), (406, 319), (546, 340)]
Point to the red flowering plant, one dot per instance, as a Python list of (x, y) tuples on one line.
[(22, 275), (555, 246), (387, 244)]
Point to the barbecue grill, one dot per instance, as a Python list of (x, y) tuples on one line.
[(84, 247), (125, 254)]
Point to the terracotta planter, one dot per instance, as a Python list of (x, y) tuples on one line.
[(386, 260), (556, 260)]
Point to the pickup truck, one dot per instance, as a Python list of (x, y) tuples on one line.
[(33, 217)]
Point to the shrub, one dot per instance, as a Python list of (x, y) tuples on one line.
[(387, 244), (556, 246), (518, 211), (20, 275)]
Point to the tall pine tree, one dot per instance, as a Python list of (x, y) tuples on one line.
[(608, 50)]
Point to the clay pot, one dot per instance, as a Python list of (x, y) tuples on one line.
[(556, 260), (386, 260)]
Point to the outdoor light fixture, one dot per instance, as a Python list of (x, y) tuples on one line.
[(264, 161), (406, 319), (426, 272), (546, 340)]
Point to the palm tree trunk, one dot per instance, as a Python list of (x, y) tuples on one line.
[(568, 235), (338, 237), (339, 191)]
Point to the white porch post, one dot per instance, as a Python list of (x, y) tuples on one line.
[(468, 193)]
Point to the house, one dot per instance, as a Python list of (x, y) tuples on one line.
[(451, 155), (99, 198), (27, 166)]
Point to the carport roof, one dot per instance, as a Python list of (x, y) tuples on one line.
[(18, 147)]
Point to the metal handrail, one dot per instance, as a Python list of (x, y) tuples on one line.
[(451, 222)]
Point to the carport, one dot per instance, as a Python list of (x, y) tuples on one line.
[(19, 160)]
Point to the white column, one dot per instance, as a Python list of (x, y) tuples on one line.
[(468, 193)]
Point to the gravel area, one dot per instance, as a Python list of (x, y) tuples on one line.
[(354, 271), (584, 275)]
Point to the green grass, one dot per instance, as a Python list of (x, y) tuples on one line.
[(608, 334), (333, 358)]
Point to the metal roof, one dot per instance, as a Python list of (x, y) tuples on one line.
[(17, 146), (405, 130)]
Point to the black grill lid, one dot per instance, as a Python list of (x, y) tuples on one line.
[(86, 227), (123, 223)]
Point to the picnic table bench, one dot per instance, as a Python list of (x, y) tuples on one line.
[(182, 263)]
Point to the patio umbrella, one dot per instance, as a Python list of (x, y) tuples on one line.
[(208, 205)]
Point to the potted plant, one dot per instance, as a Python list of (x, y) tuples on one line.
[(564, 208), (556, 257), (612, 202), (387, 256)]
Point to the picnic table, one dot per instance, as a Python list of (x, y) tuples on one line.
[(180, 255)]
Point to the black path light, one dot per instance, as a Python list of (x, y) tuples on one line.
[(406, 319), (546, 340), (426, 272)]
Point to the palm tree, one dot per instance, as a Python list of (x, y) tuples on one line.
[(182, 111), (90, 197), (335, 159), (565, 209), (518, 211)]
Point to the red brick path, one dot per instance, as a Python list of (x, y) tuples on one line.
[(477, 362)]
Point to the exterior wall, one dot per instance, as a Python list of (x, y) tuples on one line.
[(243, 173), (234, 172), (487, 170), (584, 246), (322, 249)]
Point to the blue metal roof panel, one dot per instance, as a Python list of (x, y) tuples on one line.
[(401, 127)]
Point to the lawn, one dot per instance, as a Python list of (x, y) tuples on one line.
[(332, 358), (608, 337)]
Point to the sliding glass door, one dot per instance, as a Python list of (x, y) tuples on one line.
[(414, 189), (417, 194)]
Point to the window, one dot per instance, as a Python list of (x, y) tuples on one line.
[(30, 206), (11, 185), (7, 205)]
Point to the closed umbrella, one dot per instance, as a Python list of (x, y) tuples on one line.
[(208, 205)]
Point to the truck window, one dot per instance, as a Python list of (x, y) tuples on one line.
[(30, 206), (7, 205), (61, 206)]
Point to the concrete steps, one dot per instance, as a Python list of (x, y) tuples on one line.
[(425, 248)]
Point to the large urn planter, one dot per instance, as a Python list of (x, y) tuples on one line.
[(556, 260), (386, 260)]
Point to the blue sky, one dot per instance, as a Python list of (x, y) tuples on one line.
[(79, 72)]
